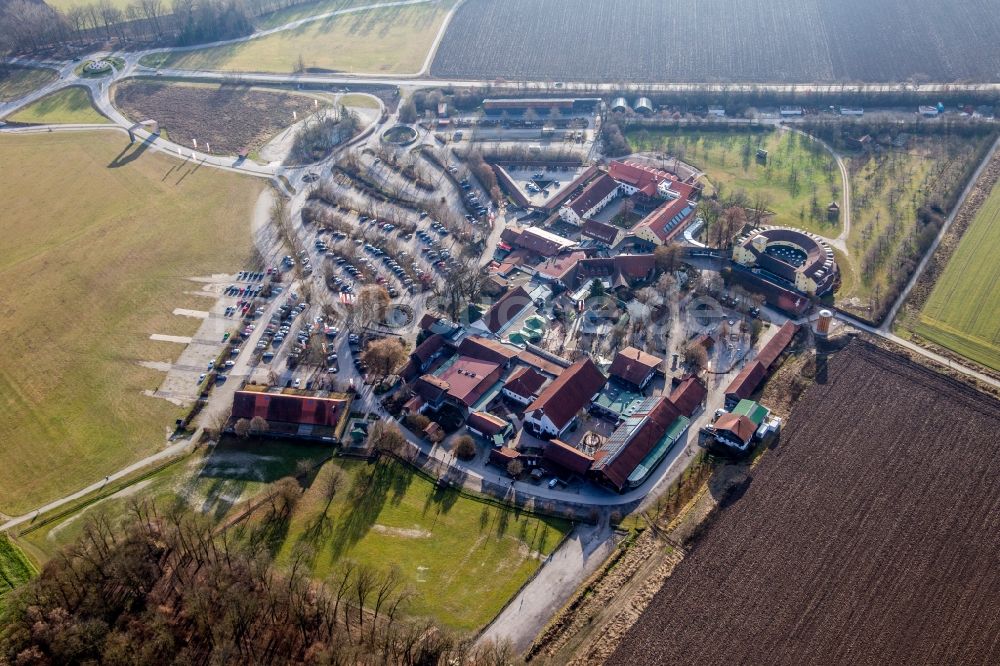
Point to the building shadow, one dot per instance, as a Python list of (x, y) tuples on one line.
[(130, 153)]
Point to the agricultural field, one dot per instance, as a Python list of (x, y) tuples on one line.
[(797, 183), (16, 82), (67, 106), (227, 117), (867, 536), (721, 41), (15, 568), (462, 558), (963, 310), (106, 270), (392, 40), (894, 194)]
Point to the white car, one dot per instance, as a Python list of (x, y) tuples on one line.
[(297, 383)]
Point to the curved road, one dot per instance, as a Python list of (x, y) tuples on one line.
[(99, 89)]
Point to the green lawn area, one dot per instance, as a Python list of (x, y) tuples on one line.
[(963, 311), (16, 82), (799, 173), (358, 101), (463, 558), (15, 568), (66, 106), (379, 41), (93, 272)]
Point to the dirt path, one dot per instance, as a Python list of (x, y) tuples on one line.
[(561, 574)]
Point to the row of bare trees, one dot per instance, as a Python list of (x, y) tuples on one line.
[(27, 26)]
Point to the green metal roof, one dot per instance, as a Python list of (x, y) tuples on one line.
[(659, 452), (618, 400), (755, 411)]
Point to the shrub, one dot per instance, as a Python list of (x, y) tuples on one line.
[(464, 448)]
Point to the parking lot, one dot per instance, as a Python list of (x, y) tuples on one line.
[(539, 184)]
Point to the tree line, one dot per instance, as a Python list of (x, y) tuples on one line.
[(164, 586), (29, 26)]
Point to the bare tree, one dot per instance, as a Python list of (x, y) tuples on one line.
[(383, 357), (515, 468)]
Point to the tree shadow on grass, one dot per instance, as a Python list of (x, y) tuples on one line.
[(365, 499), (441, 499)]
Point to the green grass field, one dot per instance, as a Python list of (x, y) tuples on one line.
[(463, 558), (16, 82), (15, 568), (358, 101), (380, 41), (963, 311), (91, 273), (66, 106), (798, 171)]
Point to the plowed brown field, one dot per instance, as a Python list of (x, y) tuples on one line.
[(871, 535)]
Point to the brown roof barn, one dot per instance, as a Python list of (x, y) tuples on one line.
[(634, 366), (569, 393), (288, 408)]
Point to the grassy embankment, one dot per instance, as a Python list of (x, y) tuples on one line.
[(67, 106), (15, 568), (16, 82)]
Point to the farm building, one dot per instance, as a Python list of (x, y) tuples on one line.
[(320, 417), (736, 430), (537, 241), (540, 105), (753, 373), (644, 105), (492, 428), (502, 456), (598, 194), (505, 311), (634, 367), (523, 385), (488, 350), (461, 384), (780, 297), (665, 201), (645, 437), (565, 457), (791, 257), (557, 406), (619, 105)]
